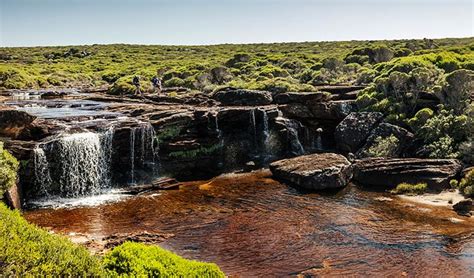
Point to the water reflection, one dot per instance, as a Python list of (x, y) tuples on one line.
[(252, 225)]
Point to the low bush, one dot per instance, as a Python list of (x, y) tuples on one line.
[(8, 169), (139, 260), (383, 147), (466, 185), (29, 251), (410, 189), (26, 250)]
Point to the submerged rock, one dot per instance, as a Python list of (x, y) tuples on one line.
[(314, 171), (463, 207), (352, 132), (389, 172), (231, 96)]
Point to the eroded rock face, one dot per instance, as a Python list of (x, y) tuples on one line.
[(352, 132), (12, 122), (231, 96), (314, 171), (300, 97), (383, 131), (389, 172)]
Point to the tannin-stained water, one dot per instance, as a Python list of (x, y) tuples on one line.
[(251, 225)]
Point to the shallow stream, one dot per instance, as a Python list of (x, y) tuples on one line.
[(251, 225)]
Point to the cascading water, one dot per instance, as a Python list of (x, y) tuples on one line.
[(265, 136), (253, 125), (42, 175), (142, 150), (74, 164)]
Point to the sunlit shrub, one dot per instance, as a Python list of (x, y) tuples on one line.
[(410, 189)]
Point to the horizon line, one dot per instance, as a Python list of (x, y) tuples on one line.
[(235, 43)]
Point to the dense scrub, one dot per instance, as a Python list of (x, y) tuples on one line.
[(8, 170), (401, 76), (26, 250), (138, 260), (275, 67)]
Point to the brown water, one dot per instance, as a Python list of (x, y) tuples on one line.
[(251, 225)]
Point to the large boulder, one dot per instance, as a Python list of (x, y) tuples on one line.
[(333, 110), (314, 171), (12, 122), (352, 132), (389, 172), (383, 132), (231, 96)]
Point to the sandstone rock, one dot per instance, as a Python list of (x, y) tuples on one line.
[(341, 89), (314, 171), (300, 97), (333, 110), (13, 121), (463, 207), (231, 96), (384, 131), (352, 132), (388, 173)]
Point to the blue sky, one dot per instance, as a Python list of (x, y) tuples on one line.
[(192, 22)]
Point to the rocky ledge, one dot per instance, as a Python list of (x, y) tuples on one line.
[(388, 173), (314, 171)]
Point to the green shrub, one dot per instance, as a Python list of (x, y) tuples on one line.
[(410, 189), (174, 82), (457, 91), (138, 260), (8, 170), (420, 118), (26, 250), (383, 147), (466, 185)]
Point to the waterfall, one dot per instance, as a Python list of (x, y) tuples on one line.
[(74, 164), (142, 150), (319, 143), (253, 125), (132, 154), (42, 174), (265, 136)]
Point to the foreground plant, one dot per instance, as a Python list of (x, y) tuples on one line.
[(29, 251), (410, 189)]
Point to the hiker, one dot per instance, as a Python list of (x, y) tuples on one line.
[(136, 82), (156, 82)]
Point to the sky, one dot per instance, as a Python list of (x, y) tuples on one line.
[(202, 22)]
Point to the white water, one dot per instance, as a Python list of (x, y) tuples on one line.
[(109, 196), (142, 150), (74, 164)]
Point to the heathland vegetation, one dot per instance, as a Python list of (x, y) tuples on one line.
[(399, 76)]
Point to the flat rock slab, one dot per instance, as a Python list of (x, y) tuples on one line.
[(230, 96), (388, 173), (314, 171)]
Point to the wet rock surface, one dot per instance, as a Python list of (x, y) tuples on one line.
[(464, 207), (315, 171), (389, 172)]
